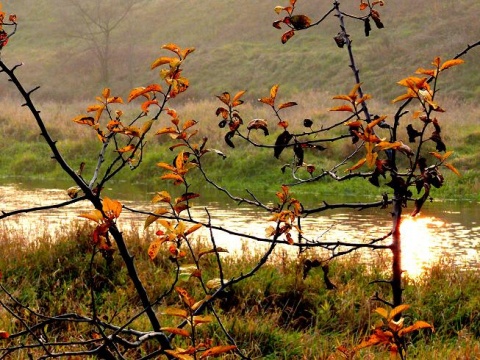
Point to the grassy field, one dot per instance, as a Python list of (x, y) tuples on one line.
[(274, 315), (238, 48), (27, 157)]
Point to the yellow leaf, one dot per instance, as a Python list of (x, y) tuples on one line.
[(95, 215), (162, 196), (213, 283), (179, 354), (382, 311), (449, 63), (146, 127), (238, 95), (152, 218), (273, 91)]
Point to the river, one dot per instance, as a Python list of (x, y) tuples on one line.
[(444, 229)]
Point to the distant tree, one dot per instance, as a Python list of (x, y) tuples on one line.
[(378, 156), (95, 21)]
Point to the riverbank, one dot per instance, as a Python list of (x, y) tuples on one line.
[(274, 315), (26, 156)]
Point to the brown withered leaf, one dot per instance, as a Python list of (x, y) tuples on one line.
[(281, 143)]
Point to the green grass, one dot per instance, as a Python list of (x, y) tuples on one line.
[(274, 315)]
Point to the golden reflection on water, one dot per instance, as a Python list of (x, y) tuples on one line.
[(418, 242), (425, 238)]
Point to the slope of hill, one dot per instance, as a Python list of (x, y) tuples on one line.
[(237, 47)]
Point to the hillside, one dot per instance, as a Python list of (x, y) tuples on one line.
[(237, 47)]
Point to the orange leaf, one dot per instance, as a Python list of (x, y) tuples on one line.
[(167, 130), (287, 105), (287, 36), (154, 247), (115, 100), (175, 312), (176, 331), (217, 350), (180, 207), (437, 155), (111, 208), (84, 120), (146, 105), (161, 61), (172, 47), (201, 319), (449, 63), (343, 108), (453, 168), (187, 299), (106, 93), (353, 92), (416, 326), (225, 98), (238, 95), (267, 100), (363, 6), (166, 167), (171, 176), (342, 97), (192, 229), (357, 165), (186, 197), (189, 124), (125, 149)]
